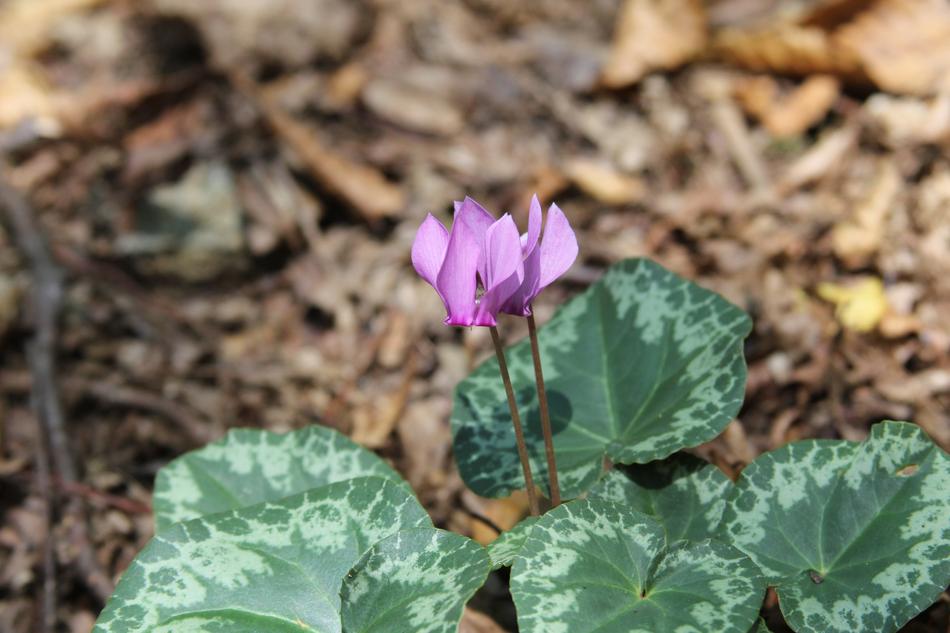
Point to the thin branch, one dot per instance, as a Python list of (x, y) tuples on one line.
[(46, 299), (516, 421)]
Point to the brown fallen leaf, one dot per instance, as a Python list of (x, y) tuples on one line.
[(372, 424), (856, 240), (476, 622), (603, 182), (902, 45), (362, 186), (909, 121), (821, 159), (504, 513), (788, 114), (653, 35), (412, 107)]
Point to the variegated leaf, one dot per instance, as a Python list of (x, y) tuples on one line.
[(855, 537), (415, 581), (642, 364), (595, 565), (274, 566), (686, 494), (249, 466), (503, 549)]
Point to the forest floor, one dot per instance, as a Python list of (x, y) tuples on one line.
[(229, 191)]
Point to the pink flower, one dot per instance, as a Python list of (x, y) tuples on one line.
[(477, 245), (545, 259), (511, 269)]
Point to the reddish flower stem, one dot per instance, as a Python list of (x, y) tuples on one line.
[(516, 421), (545, 415)]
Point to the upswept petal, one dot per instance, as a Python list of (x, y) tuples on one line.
[(503, 252), (558, 246), (456, 281), (535, 218), (428, 249), (478, 220), (519, 304), (504, 269)]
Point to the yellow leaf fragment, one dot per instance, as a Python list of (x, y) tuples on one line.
[(859, 306)]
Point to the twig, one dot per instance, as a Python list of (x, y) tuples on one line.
[(545, 415), (516, 421), (47, 616), (46, 298)]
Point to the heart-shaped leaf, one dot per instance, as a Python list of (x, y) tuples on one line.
[(250, 466), (502, 550), (598, 566), (268, 567), (686, 494), (642, 364), (855, 537), (415, 581)]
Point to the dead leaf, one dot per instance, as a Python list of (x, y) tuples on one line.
[(788, 114), (653, 35), (822, 159), (857, 239), (413, 108), (902, 45), (365, 188), (603, 182), (903, 121), (476, 622), (504, 513), (25, 24)]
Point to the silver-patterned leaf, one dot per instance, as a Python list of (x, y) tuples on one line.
[(249, 466), (642, 364), (502, 550), (595, 565), (686, 494), (268, 567), (415, 581), (855, 537)]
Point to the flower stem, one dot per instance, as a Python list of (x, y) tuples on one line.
[(545, 415), (516, 421)]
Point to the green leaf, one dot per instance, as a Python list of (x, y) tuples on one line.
[(249, 466), (415, 581), (595, 565), (759, 627), (642, 364), (686, 494), (266, 567), (855, 537), (503, 549)]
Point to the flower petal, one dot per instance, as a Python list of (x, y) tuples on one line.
[(478, 220), (519, 303), (534, 225), (502, 252), (558, 246), (428, 249), (456, 281), (504, 269)]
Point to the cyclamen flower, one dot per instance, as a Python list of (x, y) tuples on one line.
[(544, 259), (512, 269), (450, 261)]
